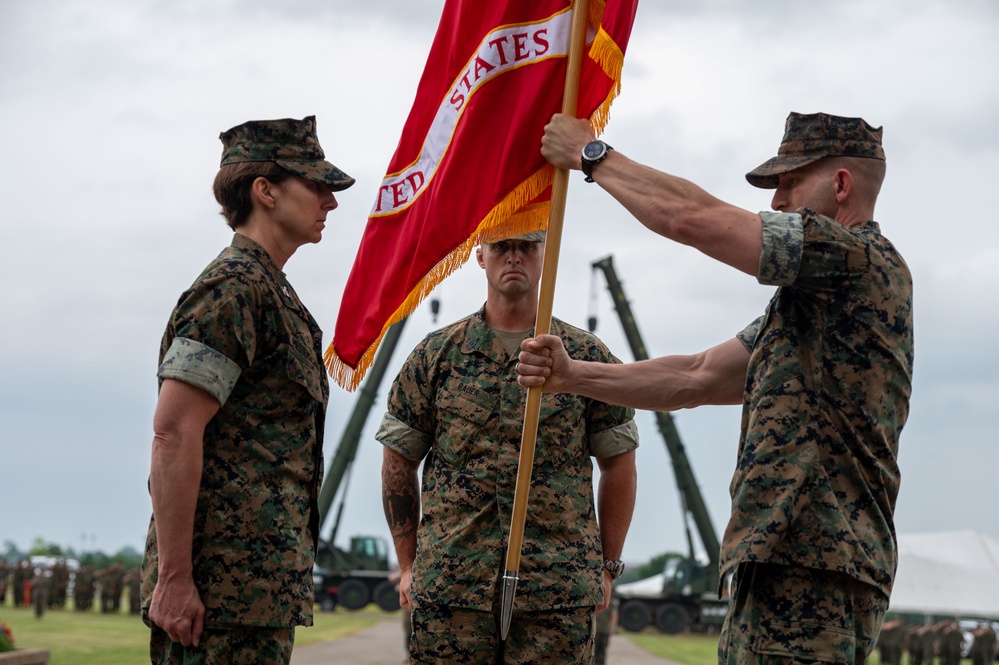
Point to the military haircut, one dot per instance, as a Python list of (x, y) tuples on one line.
[(868, 174), (233, 187)]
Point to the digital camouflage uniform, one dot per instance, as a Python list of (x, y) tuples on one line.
[(983, 645), (811, 539), (456, 404), (43, 574), (40, 588), (132, 580), (914, 644), (241, 333), (83, 589), (950, 643), (927, 651), (111, 587), (827, 394), (59, 583), (890, 641), (18, 578), (604, 625)]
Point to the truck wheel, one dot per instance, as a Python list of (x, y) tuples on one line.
[(328, 603), (386, 596), (672, 618), (353, 594), (634, 615)]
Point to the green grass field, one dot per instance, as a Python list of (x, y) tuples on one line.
[(701, 649), (92, 638), (686, 649)]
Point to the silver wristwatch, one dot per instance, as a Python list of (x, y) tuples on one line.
[(615, 568)]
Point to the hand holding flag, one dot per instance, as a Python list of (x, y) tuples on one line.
[(468, 163)]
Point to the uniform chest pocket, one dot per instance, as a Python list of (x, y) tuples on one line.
[(461, 419), (304, 369), (562, 429)]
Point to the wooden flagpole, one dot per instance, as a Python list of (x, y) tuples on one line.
[(542, 326)]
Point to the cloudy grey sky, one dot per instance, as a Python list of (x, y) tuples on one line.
[(109, 116)]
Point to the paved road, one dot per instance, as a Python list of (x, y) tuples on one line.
[(382, 645)]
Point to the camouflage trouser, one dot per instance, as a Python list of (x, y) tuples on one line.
[(600, 644), (407, 627), (780, 614), (249, 645), (443, 634), (890, 654), (40, 599)]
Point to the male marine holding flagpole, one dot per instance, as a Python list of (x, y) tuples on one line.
[(824, 377)]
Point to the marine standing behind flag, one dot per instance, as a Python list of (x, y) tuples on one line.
[(468, 165), (456, 408)]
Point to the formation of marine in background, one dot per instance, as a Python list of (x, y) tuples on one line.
[(46, 587), (944, 640), (49, 587)]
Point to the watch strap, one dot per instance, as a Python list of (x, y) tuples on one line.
[(588, 164)]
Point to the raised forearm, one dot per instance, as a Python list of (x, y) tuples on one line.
[(401, 502), (715, 376), (671, 206), (683, 212), (661, 384)]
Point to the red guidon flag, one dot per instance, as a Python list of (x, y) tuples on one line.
[(469, 164)]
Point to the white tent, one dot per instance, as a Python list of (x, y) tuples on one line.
[(953, 573), (649, 587), (947, 573)]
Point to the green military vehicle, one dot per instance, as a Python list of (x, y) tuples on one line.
[(354, 577), (687, 598)]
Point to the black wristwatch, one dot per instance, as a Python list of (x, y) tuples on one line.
[(594, 152), (615, 568)]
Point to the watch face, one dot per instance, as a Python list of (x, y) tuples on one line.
[(615, 568), (594, 149)]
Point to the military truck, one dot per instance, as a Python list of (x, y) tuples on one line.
[(688, 597), (356, 576)]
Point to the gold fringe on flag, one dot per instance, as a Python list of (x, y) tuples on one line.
[(513, 215), (606, 53)]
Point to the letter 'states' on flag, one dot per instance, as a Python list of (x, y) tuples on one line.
[(469, 162)]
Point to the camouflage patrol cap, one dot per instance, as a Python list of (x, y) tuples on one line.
[(500, 236), (291, 144), (809, 138)]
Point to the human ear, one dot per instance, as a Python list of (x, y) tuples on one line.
[(262, 191), (843, 184)]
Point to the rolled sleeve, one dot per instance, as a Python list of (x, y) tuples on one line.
[(749, 334), (614, 441), (201, 366), (783, 243), (403, 439)]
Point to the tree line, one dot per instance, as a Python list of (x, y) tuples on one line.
[(127, 556)]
